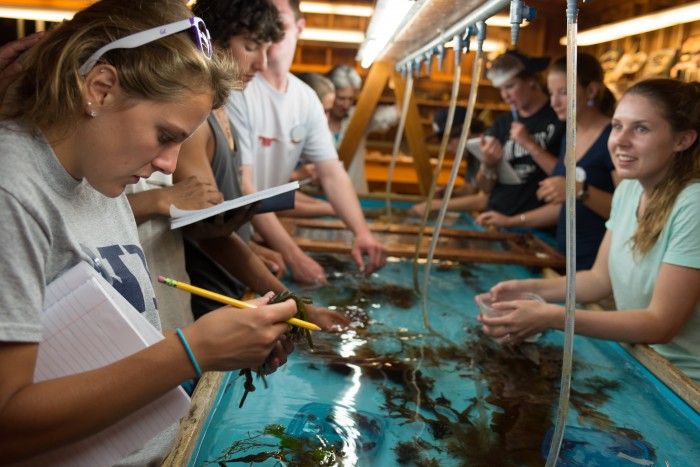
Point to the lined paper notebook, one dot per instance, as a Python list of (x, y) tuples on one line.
[(89, 324)]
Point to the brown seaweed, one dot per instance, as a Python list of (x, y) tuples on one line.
[(366, 294), (297, 451), (521, 382), (294, 333), (503, 425)]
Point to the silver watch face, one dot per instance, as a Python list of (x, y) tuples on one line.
[(580, 175)]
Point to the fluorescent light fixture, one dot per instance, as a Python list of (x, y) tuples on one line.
[(489, 45), (503, 21), (36, 14), (388, 16), (651, 22), (345, 9), (332, 35)]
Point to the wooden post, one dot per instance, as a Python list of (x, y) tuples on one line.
[(366, 103)]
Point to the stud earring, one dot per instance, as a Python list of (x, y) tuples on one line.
[(590, 102), (102, 70), (90, 112)]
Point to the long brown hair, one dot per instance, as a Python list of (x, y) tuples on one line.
[(679, 103), (49, 93)]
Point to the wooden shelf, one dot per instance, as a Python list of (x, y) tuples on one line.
[(439, 103), (449, 77)]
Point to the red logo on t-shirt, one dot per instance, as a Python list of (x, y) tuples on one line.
[(267, 142)]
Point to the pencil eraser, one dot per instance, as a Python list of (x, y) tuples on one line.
[(161, 279)]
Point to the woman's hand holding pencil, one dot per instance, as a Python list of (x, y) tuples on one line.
[(226, 340), (227, 300)]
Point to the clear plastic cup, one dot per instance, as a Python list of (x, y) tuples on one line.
[(484, 302)]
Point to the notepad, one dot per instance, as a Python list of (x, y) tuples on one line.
[(88, 324), (272, 199)]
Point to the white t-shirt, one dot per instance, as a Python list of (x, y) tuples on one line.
[(275, 130)]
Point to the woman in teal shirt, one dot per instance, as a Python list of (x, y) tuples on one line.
[(650, 255)]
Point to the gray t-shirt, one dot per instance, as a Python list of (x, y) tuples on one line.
[(50, 223)]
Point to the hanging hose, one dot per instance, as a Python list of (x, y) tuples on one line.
[(441, 156), (570, 163), (397, 139), (476, 77)]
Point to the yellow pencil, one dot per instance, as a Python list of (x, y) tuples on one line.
[(227, 300)]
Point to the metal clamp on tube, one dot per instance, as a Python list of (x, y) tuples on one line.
[(440, 52), (417, 62), (519, 12), (466, 39), (429, 62), (487, 9)]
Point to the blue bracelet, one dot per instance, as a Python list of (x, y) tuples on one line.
[(189, 352)]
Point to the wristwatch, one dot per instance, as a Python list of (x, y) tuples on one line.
[(582, 194)]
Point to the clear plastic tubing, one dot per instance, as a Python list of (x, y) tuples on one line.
[(476, 77), (441, 156), (397, 139), (570, 164)]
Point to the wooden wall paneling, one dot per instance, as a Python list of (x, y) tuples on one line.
[(531, 39), (415, 136), (541, 36), (680, 34)]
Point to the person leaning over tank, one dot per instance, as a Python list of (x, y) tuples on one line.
[(88, 117), (277, 121), (244, 30), (305, 172)]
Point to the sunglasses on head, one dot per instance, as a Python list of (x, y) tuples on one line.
[(195, 24)]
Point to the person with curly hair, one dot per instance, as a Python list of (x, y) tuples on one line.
[(278, 121), (230, 262)]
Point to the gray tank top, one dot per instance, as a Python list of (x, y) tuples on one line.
[(226, 165), (203, 270)]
